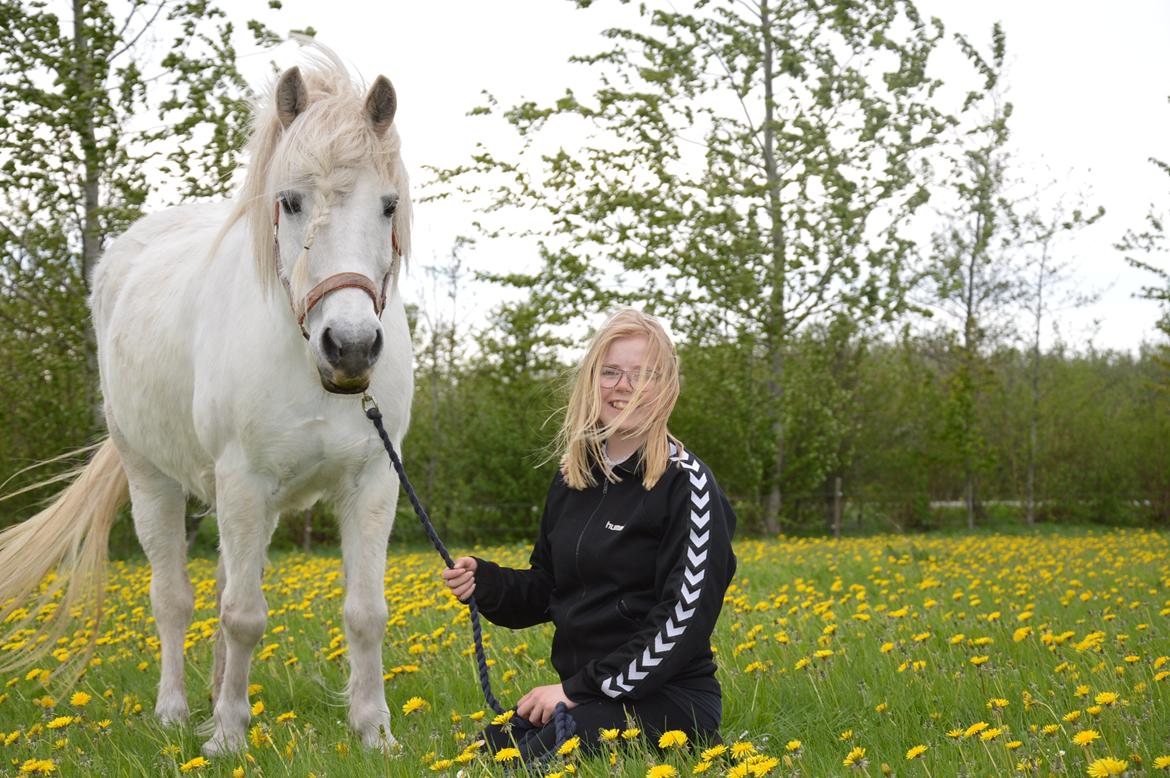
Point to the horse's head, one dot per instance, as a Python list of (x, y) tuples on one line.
[(334, 212)]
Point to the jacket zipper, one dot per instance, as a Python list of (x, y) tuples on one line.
[(577, 557)]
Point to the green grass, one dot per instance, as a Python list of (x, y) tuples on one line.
[(902, 615)]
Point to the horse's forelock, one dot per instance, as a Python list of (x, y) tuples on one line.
[(326, 147)]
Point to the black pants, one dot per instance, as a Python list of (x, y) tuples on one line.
[(661, 712)]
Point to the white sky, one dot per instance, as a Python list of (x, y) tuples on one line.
[(1089, 82)]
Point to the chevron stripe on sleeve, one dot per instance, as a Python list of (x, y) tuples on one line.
[(681, 616)]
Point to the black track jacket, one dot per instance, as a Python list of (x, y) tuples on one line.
[(633, 580)]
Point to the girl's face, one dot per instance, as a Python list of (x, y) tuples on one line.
[(621, 368)]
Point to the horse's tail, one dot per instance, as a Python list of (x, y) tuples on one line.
[(53, 565)]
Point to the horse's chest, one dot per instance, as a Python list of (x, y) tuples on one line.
[(310, 461)]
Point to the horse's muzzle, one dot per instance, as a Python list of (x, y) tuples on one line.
[(348, 360)]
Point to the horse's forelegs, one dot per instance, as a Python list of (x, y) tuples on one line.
[(244, 530), (365, 528), (159, 507)]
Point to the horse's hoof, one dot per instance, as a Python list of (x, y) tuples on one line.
[(221, 743), (379, 737), (172, 712)]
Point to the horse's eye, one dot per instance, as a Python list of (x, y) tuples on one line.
[(389, 205), (290, 202)]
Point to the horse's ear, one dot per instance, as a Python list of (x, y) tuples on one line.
[(381, 103), (291, 96)]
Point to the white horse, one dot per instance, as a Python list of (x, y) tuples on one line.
[(233, 342)]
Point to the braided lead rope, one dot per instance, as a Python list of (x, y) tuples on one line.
[(375, 415), (564, 722)]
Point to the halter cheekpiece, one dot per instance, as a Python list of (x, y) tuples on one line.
[(335, 281)]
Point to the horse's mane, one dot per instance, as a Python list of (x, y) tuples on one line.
[(327, 145)]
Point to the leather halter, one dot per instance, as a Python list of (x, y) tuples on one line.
[(336, 281)]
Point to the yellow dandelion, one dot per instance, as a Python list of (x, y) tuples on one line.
[(413, 705), (193, 764), (991, 734), (286, 716), (793, 746), (507, 754), (1012, 745), (763, 766), (915, 752), (42, 766), (956, 733), (855, 758), (672, 739), (661, 771), (79, 699), (569, 746), (1162, 763), (1072, 715), (631, 733), (845, 735), (1107, 766), (712, 753), (258, 708), (975, 728), (742, 749), (701, 767), (60, 722), (1106, 698), (441, 764), (1085, 737), (501, 719), (979, 660), (238, 772), (609, 735)]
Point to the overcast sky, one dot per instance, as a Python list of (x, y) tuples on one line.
[(1089, 81)]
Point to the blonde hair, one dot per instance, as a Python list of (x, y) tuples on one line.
[(582, 437)]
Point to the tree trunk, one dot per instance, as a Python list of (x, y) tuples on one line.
[(837, 505), (775, 318), (970, 351), (91, 228), (1034, 417)]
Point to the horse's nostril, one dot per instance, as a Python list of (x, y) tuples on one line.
[(376, 348), (331, 347)]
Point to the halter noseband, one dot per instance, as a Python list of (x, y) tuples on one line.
[(335, 281)]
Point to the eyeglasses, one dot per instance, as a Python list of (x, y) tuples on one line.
[(612, 376)]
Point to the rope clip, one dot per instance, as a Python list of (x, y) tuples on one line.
[(368, 402)]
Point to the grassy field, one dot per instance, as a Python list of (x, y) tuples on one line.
[(973, 655)]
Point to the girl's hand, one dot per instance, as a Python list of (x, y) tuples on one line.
[(460, 579), (539, 706)]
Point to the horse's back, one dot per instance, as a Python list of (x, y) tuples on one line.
[(145, 300)]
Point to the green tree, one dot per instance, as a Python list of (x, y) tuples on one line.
[(748, 170), (83, 89), (975, 271)]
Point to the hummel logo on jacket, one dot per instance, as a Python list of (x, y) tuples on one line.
[(633, 580)]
